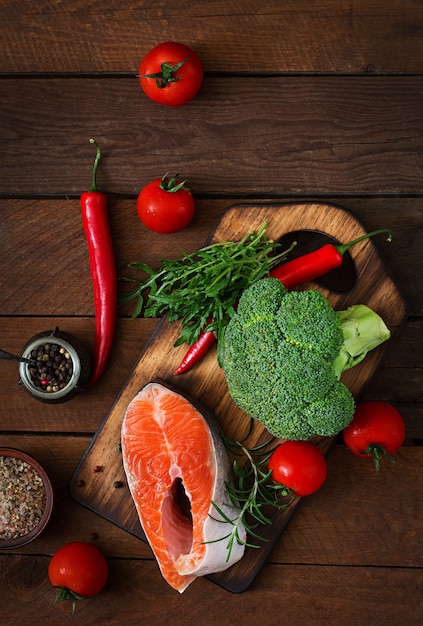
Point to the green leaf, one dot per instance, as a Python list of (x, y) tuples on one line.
[(203, 284), (252, 489)]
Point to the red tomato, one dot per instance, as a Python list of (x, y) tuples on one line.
[(298, 465), (376, 430), (78, 570), (171, 74), (165, 205)]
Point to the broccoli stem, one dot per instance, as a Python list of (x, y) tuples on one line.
[(363, 330)]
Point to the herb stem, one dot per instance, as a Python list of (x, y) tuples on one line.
[(203, 284), (251, 491)]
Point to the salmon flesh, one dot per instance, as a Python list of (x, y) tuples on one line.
[(177, 466)]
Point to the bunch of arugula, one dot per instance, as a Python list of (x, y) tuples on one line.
[(201, 287)]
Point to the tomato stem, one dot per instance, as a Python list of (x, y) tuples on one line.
[(171, 184), (378, 452), (166, 75), (64, 593)]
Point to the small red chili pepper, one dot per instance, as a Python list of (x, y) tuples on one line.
[(292, 274), (196, 351), (103, 270), (317, 263)]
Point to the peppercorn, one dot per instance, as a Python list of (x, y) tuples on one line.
[(52, 369)]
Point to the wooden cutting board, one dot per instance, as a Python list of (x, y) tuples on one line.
[(371, 285)]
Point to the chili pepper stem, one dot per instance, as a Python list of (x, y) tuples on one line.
[(96, 162), (344, 247)]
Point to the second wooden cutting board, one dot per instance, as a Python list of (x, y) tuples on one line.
[(206, 381)]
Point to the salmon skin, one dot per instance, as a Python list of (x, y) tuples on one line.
[(176, 466)]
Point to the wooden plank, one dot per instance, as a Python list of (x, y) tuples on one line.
[(329, 528), (63, 288), (355, 504), (86, 411), (398, 382), (310, 36), (206, 382), (59, 455), (302, 594), (346, 135)]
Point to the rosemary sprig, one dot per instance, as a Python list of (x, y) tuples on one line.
[(251, 492), (204, 284)]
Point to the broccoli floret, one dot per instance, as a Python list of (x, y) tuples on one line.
[(283, 357), (331, 413), (307, 319), (268, 296)]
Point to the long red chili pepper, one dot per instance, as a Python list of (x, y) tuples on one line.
[(103, 270), (317, 263), (292, 274)]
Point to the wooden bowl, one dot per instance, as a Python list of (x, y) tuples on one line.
[(42, 491)]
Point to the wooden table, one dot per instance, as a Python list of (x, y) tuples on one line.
[(301, 101)]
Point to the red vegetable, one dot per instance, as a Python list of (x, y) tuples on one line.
[(103, 270), (317, 263), (292, 274), (171, 74), (298, 465), (166, 205), (377, 430), (196, 351), (77, 570)]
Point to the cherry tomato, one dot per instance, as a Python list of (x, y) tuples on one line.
[(171, 74), (298, 465), (78, 570), (377, 430), (165, 205)]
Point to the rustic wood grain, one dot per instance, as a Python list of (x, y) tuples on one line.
[(84, 414), (299, 594), (63, 287), (270, 135), (59, 455), (312, 99), (338, 519), (206, 381), (237, 36), (328, 528)]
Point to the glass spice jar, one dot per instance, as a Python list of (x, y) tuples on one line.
[(60, 366)]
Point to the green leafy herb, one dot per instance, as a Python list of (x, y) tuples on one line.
[(251, 493), (204, 284)]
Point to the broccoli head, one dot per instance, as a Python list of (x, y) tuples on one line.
[(281, 359)]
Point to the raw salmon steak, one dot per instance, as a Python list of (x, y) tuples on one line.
[(176, 466)]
